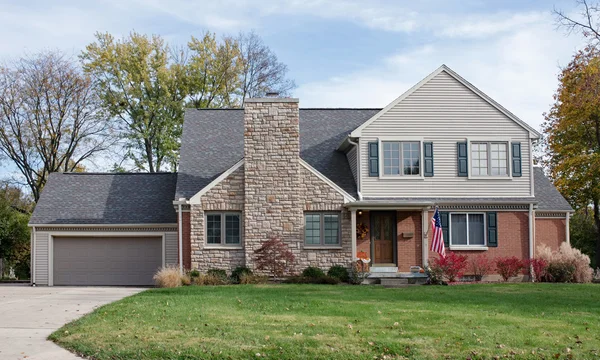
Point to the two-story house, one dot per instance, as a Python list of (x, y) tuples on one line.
[(310, 177)]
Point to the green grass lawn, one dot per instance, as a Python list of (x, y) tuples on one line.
[(340, 322)]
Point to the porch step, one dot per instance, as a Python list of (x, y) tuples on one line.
[(394, 282)]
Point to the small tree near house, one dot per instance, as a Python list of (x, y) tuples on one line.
[(274, 257)]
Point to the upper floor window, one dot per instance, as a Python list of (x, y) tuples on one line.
[(401, 158), (489, 158), (321, 229), (223, 228)]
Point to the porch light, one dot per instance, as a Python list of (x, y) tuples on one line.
[(359, 212)]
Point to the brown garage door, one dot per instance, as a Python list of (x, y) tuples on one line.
[(106, 260)]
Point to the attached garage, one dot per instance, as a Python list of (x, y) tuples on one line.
[(97, 229), (96, 261)]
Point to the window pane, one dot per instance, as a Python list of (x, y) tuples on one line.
[(331, 230), (232, 229), (458, 227), (476, 229), (312, 232), (498, 159), (410, 156), (391, 158), (479, 159), (213, 228)]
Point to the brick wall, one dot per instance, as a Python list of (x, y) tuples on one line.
[(551, 232), (186, 240), (409, 249)]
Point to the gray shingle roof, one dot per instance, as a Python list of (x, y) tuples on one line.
[(92, 198), (546, 194), (213, 141)]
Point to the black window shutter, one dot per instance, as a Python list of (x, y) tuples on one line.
[(374, 158), (445, 226), (463, 159), (428, 158), (516, 159), (492, 229)]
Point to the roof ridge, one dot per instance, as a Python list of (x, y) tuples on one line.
[(115, 173), (301, 108)]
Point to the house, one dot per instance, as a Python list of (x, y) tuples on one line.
[(310, 177)]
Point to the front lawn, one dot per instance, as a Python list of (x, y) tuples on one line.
[(341, 322)]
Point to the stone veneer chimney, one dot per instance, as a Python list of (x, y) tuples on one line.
[(273, 206)]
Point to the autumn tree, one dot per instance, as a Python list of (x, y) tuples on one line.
[(14, 232), (50, 118), (142, 87), (262, 72), (572, 134), (214, 68)]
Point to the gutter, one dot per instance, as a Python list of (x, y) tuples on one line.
[(358, 182)]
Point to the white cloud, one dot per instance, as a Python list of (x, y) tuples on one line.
[(518, 69)]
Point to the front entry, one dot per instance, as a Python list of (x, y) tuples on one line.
[(383, 235)]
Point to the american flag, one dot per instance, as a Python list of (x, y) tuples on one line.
[(437, 241)]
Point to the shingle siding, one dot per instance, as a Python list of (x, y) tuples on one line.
[(444, 112)]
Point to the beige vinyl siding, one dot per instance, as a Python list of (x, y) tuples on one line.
[(171, 248), (41, 258), (351, 156), (444, 112)]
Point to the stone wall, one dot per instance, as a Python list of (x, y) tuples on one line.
[(228, 195)]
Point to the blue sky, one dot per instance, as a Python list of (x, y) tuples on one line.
[(351, 53)]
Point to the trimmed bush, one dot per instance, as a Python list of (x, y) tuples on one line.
[(168, 277), (313, 272), (537, 268), (326, 280), (451, 266), (237, 273), (210, 279), (339, 272), (508, 267), (480, 266), (566, 255), (194, 273), (220, 273), (560, 272), (253, 279)]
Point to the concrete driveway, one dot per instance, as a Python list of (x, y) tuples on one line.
[(29, 314)]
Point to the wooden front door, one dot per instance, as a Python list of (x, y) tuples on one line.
[(382, 237)]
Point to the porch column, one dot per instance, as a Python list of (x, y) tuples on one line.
[(353, 221), (567, 235), (425, 228)]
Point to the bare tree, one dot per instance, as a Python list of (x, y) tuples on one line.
[(50, 118), (262, 71), (589, 23)]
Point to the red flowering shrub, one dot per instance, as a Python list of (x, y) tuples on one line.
[(508, 267), (273, 256), (480, 266), (537, 268), (450, 266)]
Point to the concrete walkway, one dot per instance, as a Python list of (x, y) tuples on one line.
[(29, 314)]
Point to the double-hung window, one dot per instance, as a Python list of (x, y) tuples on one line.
[(322, 229), (401, 158), (489, 159), (223, 229), (467, 229)]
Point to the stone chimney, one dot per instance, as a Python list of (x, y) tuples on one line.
[(273, 206)]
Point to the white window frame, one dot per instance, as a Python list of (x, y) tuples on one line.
[(468, 246), (401, 176), (322, 244), (489, 141), (223, 243)]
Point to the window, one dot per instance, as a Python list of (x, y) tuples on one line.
[(223, 228), (489, 158), (467, 229), (401, 158), (322, 229)]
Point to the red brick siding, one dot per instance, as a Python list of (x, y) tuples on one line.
[(551, 232), (513, 237), (186, 239), (409, 249)]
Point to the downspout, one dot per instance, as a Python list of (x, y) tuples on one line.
[(358, 182), (567, 230), (531, 239), (180, 235), (33, 252)]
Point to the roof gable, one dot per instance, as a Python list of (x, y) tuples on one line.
[(532, 132)]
